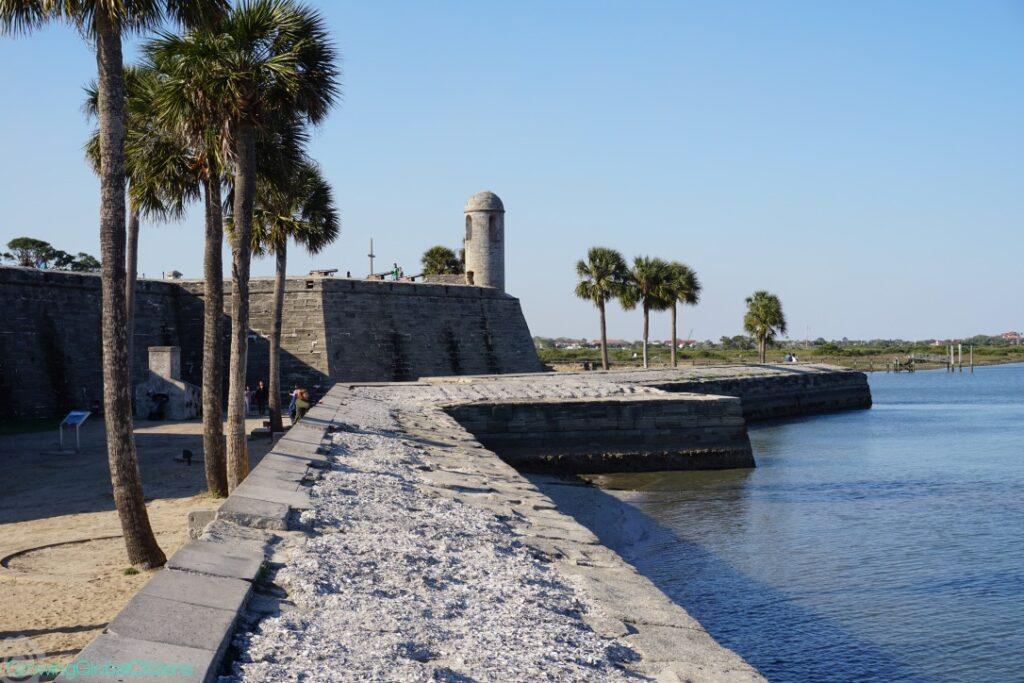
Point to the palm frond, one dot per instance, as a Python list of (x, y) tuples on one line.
[(301, 209), (646, 285), (602, 275), (164, 174)]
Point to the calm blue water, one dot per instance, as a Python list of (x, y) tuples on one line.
[(882, 545)]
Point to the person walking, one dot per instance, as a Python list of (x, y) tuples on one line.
[(248, 399), (291, 406), (301, 404), (261, 398)]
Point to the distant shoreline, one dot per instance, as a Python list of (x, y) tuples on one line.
[(868, 363)]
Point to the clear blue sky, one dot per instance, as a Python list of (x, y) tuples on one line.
[(865, 161)]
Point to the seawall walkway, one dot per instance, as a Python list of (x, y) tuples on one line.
[(381, 540)]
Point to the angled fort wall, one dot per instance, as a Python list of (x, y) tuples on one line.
[(50, 351), (333, 330)]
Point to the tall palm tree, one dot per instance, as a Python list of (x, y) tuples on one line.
[(198, 122), (103, 22), (602, 277), (186, 108), (171, 161), (265, 59), (300, 207), (214, 447), (764, 320), (158, 168), (646, 286), (682, 287)]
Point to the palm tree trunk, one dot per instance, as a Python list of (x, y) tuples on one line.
[(131, 264), (674, 344), (241, 250), (125, 480), (646, 329), (604, 338), (274, 381), (213, 341)]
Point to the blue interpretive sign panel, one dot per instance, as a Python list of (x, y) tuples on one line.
[(76, 418)]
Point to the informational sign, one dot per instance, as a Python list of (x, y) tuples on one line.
[(76, 418)]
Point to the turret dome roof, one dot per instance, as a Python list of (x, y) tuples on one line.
[(484, 201)]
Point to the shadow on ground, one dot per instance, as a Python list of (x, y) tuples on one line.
[(40, 481)]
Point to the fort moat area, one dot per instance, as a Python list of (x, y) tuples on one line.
[(883, 544)]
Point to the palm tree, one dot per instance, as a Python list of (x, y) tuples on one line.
[(169, 162), (185, 108), (602, 277), (266, 59), (764, 320), (157, 166), (301, 208), (683, 287), (103, 22), (645, 285), (198, 121), (214, 447), (440, 260)]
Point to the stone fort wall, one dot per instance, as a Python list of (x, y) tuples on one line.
[(333, 330)]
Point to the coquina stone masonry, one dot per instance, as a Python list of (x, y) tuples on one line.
[(631, 432), (769, 391), (50, 350), (333, 330)]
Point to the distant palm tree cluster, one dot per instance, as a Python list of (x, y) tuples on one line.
[(658, 285), (652, 283), (220, 112)]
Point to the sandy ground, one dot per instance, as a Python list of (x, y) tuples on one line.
[(62, 559)]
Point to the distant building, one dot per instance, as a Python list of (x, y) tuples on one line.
[(1013, 337)]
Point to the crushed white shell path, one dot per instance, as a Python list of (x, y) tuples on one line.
[(409, 577)]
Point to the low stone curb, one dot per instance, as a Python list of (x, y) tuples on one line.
[(177, 628)]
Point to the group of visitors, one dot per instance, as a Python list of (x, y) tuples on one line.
[(258, 398)]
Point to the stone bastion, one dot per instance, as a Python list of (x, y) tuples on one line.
[(334, 329)]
